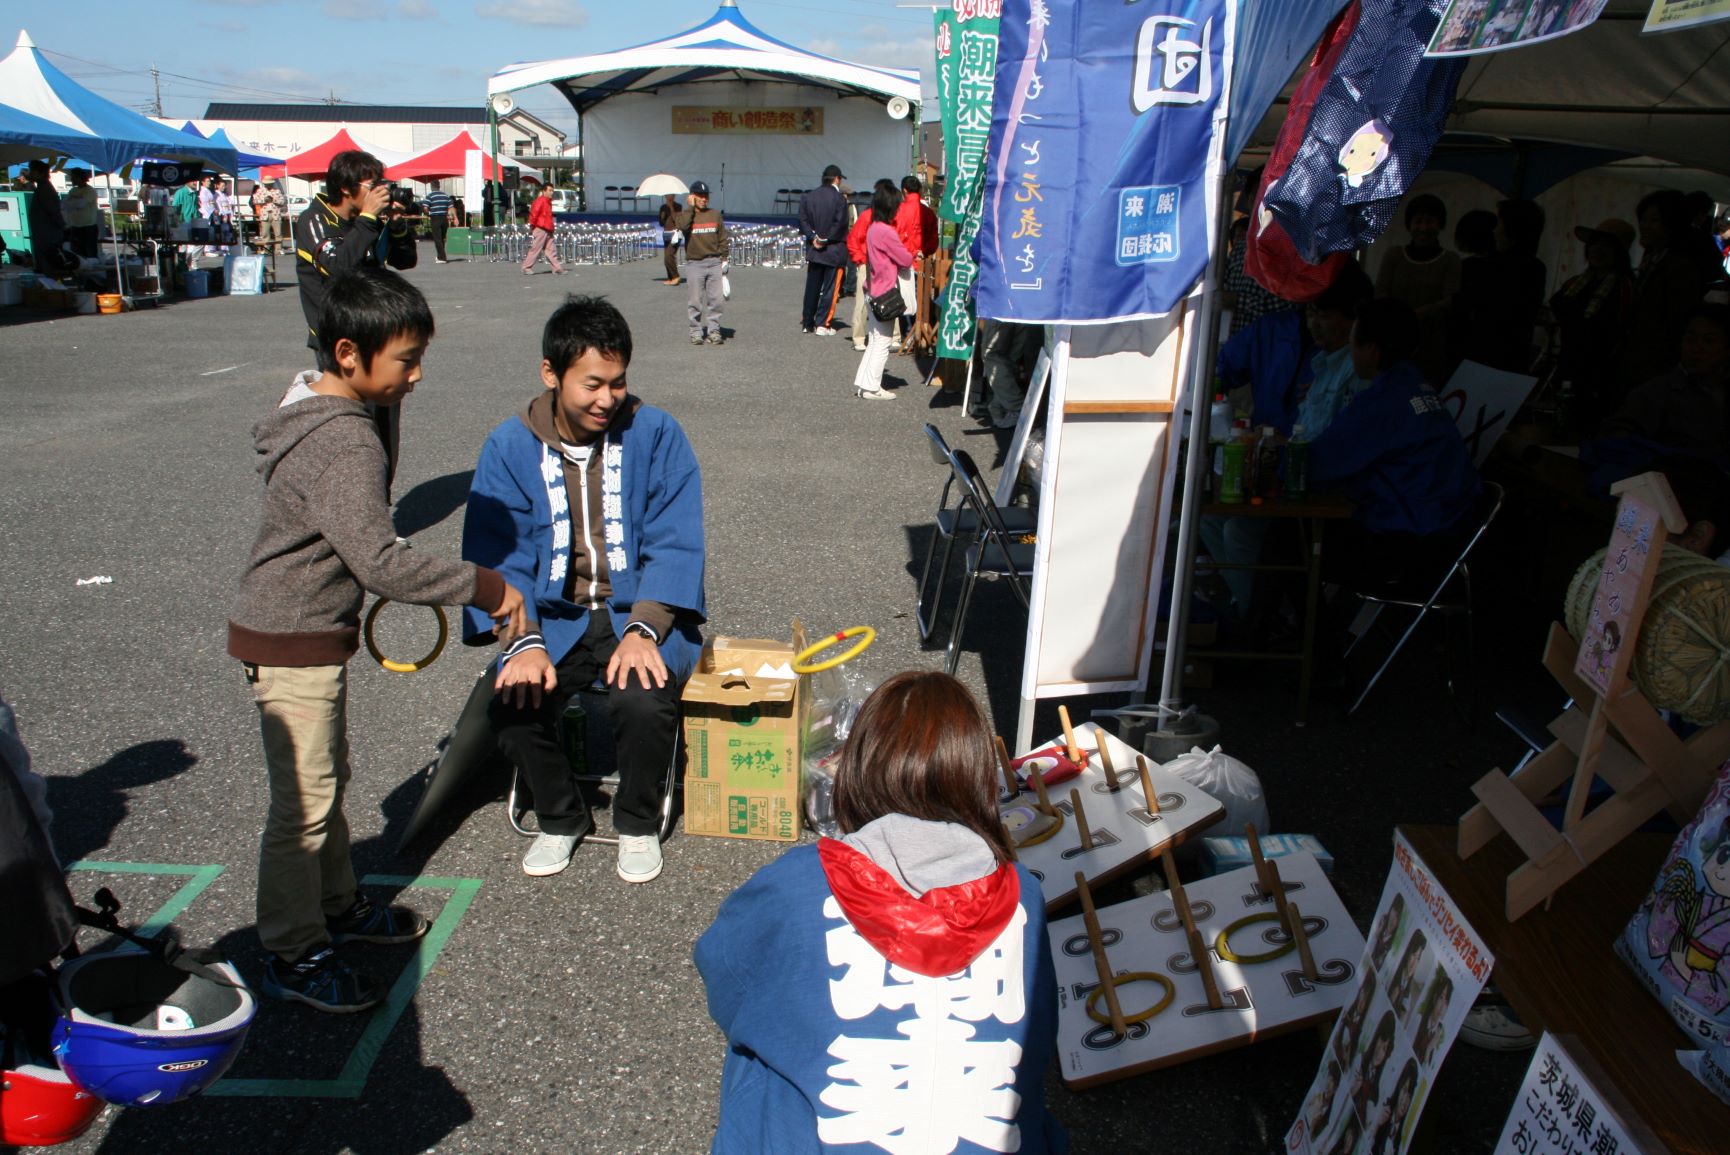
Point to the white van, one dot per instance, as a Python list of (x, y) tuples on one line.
[(565, 200)]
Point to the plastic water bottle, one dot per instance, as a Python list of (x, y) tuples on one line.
[(1235, 454), (1218, 433), (1297, 464)]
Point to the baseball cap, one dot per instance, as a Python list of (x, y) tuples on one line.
[(833, 171), (699, 188), (1611, 229)]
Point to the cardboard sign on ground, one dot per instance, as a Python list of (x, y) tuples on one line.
[(1259, 999), (1125, 831), (741, 708)]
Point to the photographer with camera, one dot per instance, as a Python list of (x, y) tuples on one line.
[(353, 223)]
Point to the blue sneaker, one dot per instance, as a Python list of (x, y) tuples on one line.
[(322, 981), (364, 922)]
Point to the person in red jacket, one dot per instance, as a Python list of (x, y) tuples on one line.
[(856, 254), (916, 225), (541, 233)]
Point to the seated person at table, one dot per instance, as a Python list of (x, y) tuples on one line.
[(591, 503), (1688, 408), (1270, 360), (1237, 541), (1395, 452)]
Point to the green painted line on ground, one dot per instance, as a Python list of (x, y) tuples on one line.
[(352, 1080), (202, 876)]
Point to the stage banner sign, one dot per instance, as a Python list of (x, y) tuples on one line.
[(1671, 15), (1107, 132), (1422, 969), (1470, 27), (709, 120), (966, 37)]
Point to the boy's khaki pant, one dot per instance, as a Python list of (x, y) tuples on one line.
[(304, 873)]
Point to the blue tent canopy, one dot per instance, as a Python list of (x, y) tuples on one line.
[(242, 160), (111, 135), (25, 137)]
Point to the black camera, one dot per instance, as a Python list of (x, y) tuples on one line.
[(401, 197)]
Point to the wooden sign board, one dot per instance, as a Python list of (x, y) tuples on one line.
[(1608, 647), (1259, 1000), (1124, 830)]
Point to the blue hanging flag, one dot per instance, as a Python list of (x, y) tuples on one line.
[(1370, 133), (1105, 137)]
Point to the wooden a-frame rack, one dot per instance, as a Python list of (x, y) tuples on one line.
[(1611, 731)]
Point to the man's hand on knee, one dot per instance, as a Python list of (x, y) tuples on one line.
[(638, 653), (525, 678)]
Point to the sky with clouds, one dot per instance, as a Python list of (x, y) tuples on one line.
[(410, 51)]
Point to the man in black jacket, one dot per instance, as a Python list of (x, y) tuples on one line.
[(823, 224), (340, 231)]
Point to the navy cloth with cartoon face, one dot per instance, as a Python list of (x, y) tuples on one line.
[(1370, 133)]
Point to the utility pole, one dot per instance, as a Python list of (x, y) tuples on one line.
[(156, 82)]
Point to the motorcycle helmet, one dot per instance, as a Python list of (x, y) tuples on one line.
[(135, 1029), (39, 1105)]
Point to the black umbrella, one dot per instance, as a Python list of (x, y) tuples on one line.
[(470, 748)]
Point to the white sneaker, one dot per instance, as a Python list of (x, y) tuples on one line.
[(1494, 1028), (823, 331), (549, 854), (639, 857)]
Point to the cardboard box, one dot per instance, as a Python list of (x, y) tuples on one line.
[(742, 737), (1222, 854)]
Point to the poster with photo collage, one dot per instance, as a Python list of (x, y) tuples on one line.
[(1422, 969)]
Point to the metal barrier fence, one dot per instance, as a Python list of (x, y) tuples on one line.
[(584, 243)]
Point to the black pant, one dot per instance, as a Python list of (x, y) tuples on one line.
[(645, 730), (670, 254), (819, 295), (86, 239), (440, 225)]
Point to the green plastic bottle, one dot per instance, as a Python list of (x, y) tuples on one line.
[(1297, 464), (1236, 455)]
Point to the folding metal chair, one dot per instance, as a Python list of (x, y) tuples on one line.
[(519, 805), (951, 522), (1458, 605), (991, 555), (610, 197)]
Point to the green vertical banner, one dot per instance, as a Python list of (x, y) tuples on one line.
[(966, 38)]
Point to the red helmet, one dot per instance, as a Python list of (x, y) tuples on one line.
[(40, 1106)]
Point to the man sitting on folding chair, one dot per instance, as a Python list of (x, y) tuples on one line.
[(593, 501), (1395, 451)]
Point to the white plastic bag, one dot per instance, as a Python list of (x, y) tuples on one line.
[(1228, 780)]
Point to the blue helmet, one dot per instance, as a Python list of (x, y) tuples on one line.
[(135, 1029)]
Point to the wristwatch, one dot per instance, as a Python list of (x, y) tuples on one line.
[(645, 629)]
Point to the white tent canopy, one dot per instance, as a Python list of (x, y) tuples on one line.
[(725, 103)]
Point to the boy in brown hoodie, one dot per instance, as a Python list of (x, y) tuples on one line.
[(325, 539)]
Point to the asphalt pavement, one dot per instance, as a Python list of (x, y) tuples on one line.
[(560, 1014)]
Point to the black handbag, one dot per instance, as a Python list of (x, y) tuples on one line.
[(889, 305)]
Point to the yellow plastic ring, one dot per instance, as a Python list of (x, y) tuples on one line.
[(1049, 833), (1222, 947), (396, 667), (1099, 1016), (803, 664)]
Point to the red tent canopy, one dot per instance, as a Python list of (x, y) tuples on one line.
[(446, 160), (313, 163)]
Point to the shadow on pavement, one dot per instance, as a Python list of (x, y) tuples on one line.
[(89, 807), (431, 502)]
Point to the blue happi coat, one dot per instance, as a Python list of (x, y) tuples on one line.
[(509, 526)]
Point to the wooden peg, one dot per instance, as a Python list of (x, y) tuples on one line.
[(1011, 784), (1100, 962), (1080, 818), (1275, 886), (1147, 784), (1302, 938), (1256, 857), (1197, 948), (1069, 744), (1105, 760), (1038, 780)]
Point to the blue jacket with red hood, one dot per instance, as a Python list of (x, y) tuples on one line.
[(864, 1015)]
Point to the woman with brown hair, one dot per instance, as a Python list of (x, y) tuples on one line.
[(892, 987)]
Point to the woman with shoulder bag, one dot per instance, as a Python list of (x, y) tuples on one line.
[(886, 258)]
